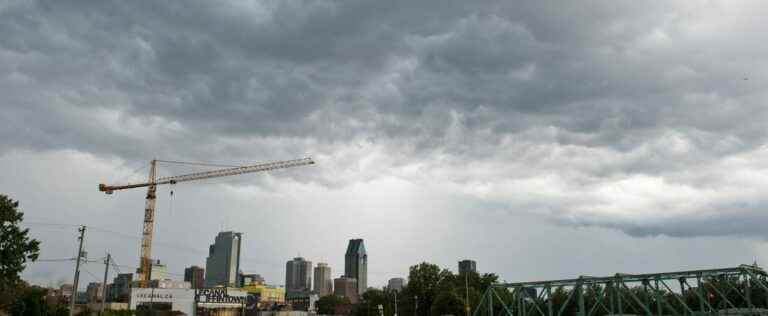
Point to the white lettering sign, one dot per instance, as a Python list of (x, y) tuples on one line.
[(216, 295)]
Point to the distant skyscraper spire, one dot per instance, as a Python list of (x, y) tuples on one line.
[(356, 264)]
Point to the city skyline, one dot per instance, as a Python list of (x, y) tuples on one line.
[(193, 273)]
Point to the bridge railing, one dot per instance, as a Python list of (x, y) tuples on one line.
[(741, 290)]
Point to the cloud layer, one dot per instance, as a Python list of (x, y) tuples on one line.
[(647, 118)]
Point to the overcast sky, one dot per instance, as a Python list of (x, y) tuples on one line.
[(544, 139)]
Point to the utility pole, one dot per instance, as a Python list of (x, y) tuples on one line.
[(395, 303), (466, 287), (77, 271), (104, 285)]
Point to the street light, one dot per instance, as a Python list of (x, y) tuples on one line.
[(395, 302), (429, 312), (466, 289)]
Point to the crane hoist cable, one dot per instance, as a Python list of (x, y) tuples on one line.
[(170, 201)]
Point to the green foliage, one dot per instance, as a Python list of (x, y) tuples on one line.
[(326, 305), (425, 281), (433, 291), (16, 248), (370, 301), (30, 301), (448, 303)]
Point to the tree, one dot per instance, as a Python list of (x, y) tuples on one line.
[(425, 281), (370, 301), (372, 298), (326, 305), (561, 299), (448, 303), (16, 248), (390, 298), (30, 301)]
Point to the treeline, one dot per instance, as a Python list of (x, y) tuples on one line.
[(432, 291), (31, 301)]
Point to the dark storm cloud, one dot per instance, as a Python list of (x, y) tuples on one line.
[(585, 96)]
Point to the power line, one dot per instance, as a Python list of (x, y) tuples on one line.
[(120, 234), (93, 276), (132, 267), (55, 260), (48, 224), (104, 230), (204, 164), (158, 243), (115, 265)]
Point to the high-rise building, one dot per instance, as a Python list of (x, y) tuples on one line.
[(195, 276), (323, 282), (467, 265), (121, 287), (396, 284), (223, 263), (356, 264), (298, 276), (346, 287), (94, 291), (81, 297), (108, 291), (157, 270)]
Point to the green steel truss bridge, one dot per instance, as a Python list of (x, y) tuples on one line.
[(742, 290)]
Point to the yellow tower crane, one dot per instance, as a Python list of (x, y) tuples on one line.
[(154, 181)]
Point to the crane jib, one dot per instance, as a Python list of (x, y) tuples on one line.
[(109, 189)]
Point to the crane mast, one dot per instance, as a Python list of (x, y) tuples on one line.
[(149, 206), (148, 227)]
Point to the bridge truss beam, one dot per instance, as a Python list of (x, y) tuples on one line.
[(741, 290)]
